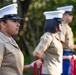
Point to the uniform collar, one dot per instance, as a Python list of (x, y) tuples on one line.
[(4, 37), (55, 35)]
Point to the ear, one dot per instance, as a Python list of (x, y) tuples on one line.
[(3, 25)]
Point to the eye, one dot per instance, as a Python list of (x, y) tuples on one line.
[(15, 20)]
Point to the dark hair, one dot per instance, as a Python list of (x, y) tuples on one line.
[(4, 20), (51, 25)]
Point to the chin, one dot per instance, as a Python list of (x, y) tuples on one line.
[(60, 30), (15, 33)]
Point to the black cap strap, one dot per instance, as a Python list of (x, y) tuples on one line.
[(58, 19), (68, 12)]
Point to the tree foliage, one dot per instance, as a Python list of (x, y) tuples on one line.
[(37, 19)]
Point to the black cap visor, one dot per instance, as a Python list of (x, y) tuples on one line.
[(12, 17), (15, 18), (68, 12)]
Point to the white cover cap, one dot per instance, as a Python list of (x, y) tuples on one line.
[(53, 14), (66, 8), (8, 10)]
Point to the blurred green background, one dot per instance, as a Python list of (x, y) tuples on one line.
[(32, 26)]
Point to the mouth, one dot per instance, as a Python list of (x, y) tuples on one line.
[(17, 29)]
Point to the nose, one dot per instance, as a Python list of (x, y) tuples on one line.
[(18, 24)]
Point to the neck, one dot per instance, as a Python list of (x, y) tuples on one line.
[(66, 22), (6, 33)]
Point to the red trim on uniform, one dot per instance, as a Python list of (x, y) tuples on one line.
[(35, 69)]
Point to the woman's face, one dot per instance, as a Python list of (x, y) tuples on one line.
[(60, 27), (11, 27)]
